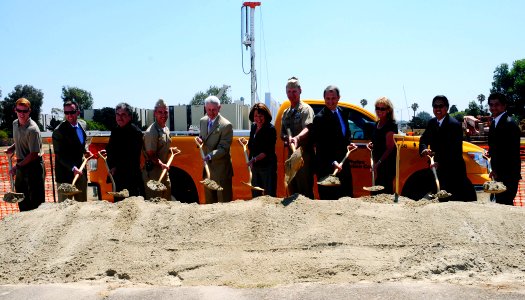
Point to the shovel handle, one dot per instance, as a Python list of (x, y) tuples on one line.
[(9, 159), (103, 154), (489, 166), (174, 151), (243, 143), (372, 166), (435, 172), (206, 167), (344, 159), (291, 145), (82, 166)]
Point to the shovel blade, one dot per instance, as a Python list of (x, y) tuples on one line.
[(292, 165), (11, 197), (253, 187), (155, 185)]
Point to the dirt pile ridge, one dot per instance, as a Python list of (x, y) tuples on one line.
[(265, 242)]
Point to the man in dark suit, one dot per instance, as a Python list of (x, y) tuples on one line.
[(504, 148), (331, 134), (69, 143), (216, 134), (444, 135)]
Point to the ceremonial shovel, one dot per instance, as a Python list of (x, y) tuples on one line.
[(244, 143)]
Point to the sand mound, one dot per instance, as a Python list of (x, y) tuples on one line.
[(264, 242)]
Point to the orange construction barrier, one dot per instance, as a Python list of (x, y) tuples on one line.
[(519, 200)]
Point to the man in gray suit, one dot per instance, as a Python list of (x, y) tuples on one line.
[(69, 143), (216, 135)]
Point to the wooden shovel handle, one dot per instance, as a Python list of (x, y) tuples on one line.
[(291, 145), (174, 151), (435, 172), (202, 155), (10, 160), (344, 159), (103, 154), (81, 168)]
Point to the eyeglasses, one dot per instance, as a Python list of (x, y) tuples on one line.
[(380, 108), (438, 105), (70, 112), (22, 111)]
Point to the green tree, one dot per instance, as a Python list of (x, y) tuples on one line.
[(414, 107), (473, 109), (199, 97), (417, 123), (511, 83), (453, 109), (106, 117), (35, 96), (363, 102), (92, 125), (82, 97), (459, 115), (481, 99), (423, 115)]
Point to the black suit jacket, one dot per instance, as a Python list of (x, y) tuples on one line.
[(68, 150), (447, 144), (330, 144), (504, 149)]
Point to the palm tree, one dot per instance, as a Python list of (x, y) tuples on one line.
[(363, 102), (414, 107), (481, 98)]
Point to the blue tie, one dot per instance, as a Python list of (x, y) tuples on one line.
[(79, 134), (343, 127)]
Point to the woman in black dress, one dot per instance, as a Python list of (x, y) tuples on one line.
[(263, 160), (384, 148)]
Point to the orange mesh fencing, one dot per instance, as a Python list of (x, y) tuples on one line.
[(519, 200)]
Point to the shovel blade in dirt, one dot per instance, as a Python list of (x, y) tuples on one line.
[(207, 182), (211, 184), (12, 197), (122, 194), (68, 189), (330, 180), (155, 185)]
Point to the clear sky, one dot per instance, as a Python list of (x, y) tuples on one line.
[(138, 51)]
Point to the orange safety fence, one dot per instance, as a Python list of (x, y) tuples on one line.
[(519, 200), (5, 185)]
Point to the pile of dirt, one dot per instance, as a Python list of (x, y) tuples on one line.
[(265, 242)]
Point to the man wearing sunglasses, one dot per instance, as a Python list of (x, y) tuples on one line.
[(69, 143), (444, 136), (29, 167), (157, 143)]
